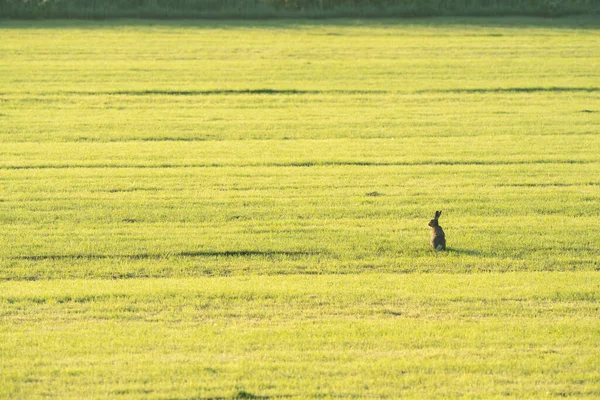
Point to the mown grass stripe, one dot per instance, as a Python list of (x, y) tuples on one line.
[(185, 254), (513, 90), (284, 92), (297, 164)]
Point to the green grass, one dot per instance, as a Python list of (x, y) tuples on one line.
[(227, 148), (360, 336), (173, 9), (236, 209)]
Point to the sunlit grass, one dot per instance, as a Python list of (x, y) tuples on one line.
[(225, 148), (483, 335), (237, 209)]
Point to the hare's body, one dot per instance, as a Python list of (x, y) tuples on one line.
[(438, 237)]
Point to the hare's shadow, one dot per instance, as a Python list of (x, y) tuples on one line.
[(465, 252)]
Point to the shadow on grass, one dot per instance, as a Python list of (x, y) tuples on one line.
[(157, 256), (303, 164), (299, 22), (290, 92), (242, 394), (536, 89), (262, 91), (465, 252)]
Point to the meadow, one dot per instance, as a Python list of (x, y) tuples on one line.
[(239, 209), (260, 9)]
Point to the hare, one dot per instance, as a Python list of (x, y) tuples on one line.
[(438, 237)]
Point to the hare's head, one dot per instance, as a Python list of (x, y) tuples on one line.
[(434, 222)]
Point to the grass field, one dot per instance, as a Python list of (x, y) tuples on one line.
[(196, 210), (261, 9)]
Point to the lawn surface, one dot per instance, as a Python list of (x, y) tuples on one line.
[(527, 334), (239, 209)]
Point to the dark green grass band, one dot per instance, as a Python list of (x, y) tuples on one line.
[(175, 9)]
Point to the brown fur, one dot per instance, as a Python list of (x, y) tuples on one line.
[(438, 237)]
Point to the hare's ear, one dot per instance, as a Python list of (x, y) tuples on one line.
[(437, 214)]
